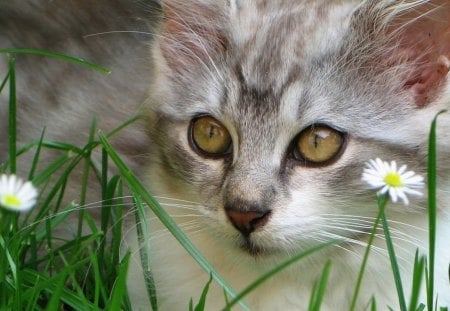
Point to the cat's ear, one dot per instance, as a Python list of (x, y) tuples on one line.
[(414, 38), (192, 32)]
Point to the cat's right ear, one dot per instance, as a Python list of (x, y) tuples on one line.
[(410, 41), (192, 33)]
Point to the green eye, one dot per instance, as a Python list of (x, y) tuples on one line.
[(318, 144), (209, 136)]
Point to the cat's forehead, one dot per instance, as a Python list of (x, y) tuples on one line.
[(273, 41)]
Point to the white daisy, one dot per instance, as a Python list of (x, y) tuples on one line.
[(397, 182), (16, 195)]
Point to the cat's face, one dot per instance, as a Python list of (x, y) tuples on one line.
[(265, 113)]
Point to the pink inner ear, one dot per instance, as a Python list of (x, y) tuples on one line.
[(423, 51), (425, 45), (428, 81), (191, 36)]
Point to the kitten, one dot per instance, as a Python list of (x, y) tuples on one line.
[(237, 90), (244, 94)]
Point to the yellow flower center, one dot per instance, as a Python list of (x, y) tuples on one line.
[(393, 180), (11, 200)]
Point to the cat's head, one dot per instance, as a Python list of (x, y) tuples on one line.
[(265, 112)]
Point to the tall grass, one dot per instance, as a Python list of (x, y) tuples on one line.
[(40, 270)]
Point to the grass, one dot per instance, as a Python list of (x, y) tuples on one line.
[(86, 271)]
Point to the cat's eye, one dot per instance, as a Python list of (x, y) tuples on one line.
[(209, 137), (318, 144)]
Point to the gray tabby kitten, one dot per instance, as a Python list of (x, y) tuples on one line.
[(261, 117), (263, 114)]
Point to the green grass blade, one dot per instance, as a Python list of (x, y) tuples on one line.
[(105, 217), (49, 171), (421, 307), (144, 250), (119, 289), (99, 278), (57, 145), (73, 246), (60, 182), (432, 172), (4, 81), (107, 202), (276, 270), (109, 257), (104, 174), (162, 215), (316, 302), (70, 59), (117, 217), (50, 145), (418, 270), (366, 255), (36, 157), (50, 285), (202, 302), (373, 304), (122, 126), (12, 115), (55, 299), (10, 259), (312, 296), (392, 256), (85, 177), (56, 220)]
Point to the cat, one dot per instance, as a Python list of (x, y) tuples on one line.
[(231, 92), (241, 86)]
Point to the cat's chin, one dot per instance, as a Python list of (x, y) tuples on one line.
[(256, 248), (253, 249)]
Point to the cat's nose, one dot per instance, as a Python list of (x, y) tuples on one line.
[(247, 221)]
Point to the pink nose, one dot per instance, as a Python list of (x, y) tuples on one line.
[(247, 221)]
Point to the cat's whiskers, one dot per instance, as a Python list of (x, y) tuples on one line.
[(175, 199), (398, 234), (351, 241), (195, 38), (75, 208), (113, 203), (366, 228), (151, 34), (186, 225), (181, 206), (100, 202), (397, 237), (155, 234), (398, 229), (346, 249), (192, 228), (370, 220)]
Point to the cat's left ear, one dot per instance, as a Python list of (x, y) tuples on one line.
[(418, 32), (192, 32)]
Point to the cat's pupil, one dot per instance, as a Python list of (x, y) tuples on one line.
[(316, 141)]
